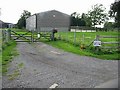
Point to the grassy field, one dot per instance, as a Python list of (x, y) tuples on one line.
[(72, 42), (68, 43), (8, 52), (86, 37), (84, 52)]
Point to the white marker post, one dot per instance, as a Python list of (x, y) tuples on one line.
[(97, 43), (38, 35)]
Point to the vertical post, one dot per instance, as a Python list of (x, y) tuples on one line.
[(52, 36), (32, 36), (66, 35), (9, 34), (83, 38), (6, 36), (3, 35), (97, 47), (59, 36), (75, 36)]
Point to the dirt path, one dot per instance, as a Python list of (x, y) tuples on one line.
[(40, 66)]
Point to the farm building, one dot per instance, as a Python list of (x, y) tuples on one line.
[(1, 24), (6, 25), (47, 21)]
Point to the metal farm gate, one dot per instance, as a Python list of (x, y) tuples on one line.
[(24, 36)]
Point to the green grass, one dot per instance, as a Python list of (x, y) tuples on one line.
[(8, 53), (84, 52), (70, 46), (67, 43), (86, 37)]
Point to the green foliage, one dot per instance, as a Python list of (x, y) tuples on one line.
[(84, 52), (115, 12), (97, 15), (13, 75), (109, 25), (7, 54), (87, 20), (77, 20), (85, 38), (22, 21)]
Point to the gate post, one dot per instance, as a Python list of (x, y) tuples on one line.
[(9, 34), (97, 47), (6, 36), (32, 40)]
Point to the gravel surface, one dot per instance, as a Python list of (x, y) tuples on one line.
[(39, 66)]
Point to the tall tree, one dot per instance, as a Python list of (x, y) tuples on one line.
[(115, 12), (97, 15), (76, 20), (86, 19), (22, 21)]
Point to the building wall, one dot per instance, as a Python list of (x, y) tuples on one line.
[(47, 21), (31, 23), (1, 24)]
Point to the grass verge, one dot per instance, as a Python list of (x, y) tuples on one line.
[(84, 52), (9, 51)]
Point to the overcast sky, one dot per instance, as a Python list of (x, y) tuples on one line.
[(12, 9)]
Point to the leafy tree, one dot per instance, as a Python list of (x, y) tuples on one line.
[(115, 12), (86, 19), (76, 20), (109, 25), (22, 21), (97, 15)]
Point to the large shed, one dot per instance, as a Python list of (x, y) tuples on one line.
[(47, 21), (1, 24)]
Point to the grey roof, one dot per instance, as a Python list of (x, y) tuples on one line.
[(45, 12)]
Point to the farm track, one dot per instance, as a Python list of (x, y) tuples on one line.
[(40, 66)]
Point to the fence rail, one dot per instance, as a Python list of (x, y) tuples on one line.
[(108, 37), (110, 42), (109, 45)]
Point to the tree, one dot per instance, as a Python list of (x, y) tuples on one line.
[(86, 19), (109, 25), (115, 12), (97, 15), (22, 21), (76, 20)]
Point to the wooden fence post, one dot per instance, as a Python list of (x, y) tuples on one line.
[(75, 36), (83, 38), (9, 34), (6, 36), (32, 36), (97, 47)]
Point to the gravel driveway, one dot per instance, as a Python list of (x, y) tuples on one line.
[(39, 66)]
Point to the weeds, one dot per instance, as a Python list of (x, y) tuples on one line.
[(9, 52)]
